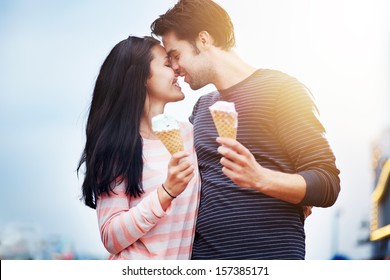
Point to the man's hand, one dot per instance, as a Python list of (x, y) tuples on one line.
[(241, 167), (239, 164)]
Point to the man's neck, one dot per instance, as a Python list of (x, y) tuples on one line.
[(230, 69)]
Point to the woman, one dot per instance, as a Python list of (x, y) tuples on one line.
[(146, 200)]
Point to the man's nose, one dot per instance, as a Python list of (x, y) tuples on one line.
[(178, 73), (175, 65)]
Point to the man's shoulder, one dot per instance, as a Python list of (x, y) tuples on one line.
[(209, 97), (273, 74), (277, 79)]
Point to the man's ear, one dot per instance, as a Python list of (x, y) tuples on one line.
[(205, 40)]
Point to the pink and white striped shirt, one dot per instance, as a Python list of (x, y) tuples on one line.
[(139, 228)]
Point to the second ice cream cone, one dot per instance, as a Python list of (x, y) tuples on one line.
[(225, 119), (224, 122)]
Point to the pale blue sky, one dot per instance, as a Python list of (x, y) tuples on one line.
[(51, 52)]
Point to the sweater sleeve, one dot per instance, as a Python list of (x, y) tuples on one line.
[(303, 138), (120, 226), (194, 111)]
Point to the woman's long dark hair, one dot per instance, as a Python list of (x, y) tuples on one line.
[(113, 149)]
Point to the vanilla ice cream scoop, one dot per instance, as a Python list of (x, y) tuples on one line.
[(163, 122)]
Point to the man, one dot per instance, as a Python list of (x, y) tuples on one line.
[(253, 189)]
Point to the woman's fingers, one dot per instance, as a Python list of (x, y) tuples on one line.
[(178, 157)]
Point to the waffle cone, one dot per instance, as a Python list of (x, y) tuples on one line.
[(226, 123), (172, 140)]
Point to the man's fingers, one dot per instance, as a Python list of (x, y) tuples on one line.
[(231, 155), (229, 173), (229, 164), (232, 144)]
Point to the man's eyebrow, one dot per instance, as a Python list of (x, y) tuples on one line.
[(171, 51)]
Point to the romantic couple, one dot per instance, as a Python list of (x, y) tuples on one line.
[(230, 199)]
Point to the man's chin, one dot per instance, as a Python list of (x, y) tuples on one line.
[(194, 86), (191, 84)]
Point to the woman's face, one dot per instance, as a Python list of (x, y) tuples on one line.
[(162, 86)]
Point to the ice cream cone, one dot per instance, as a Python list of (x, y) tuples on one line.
[(225, 119), (172, 140), (167, 130)]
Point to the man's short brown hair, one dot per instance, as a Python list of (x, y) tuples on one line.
[(189, 17)]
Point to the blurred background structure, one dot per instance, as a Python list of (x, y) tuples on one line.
[(51, 52), (380, 199)]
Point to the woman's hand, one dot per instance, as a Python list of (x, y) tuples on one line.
[(180, 172)]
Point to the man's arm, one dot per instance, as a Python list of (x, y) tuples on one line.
[(242, 168)]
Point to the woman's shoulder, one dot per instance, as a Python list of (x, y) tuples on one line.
[(187, 133), (186, 130), (185, 125)]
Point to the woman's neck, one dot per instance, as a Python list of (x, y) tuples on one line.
[(146, 130)]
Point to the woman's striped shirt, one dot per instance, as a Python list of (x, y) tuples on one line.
[(277, 122), (139, 228)]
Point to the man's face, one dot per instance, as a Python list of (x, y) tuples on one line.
[(189, 61)]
